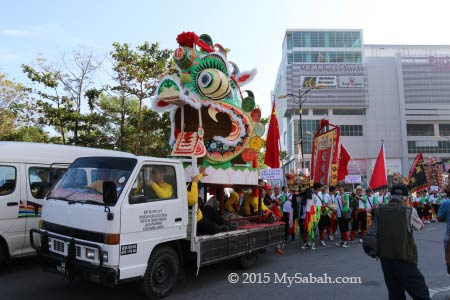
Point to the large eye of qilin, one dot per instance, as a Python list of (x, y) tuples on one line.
[(213, 84)]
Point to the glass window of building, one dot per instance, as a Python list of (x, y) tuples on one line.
[(314, 36), (290, 58), (356, 39), (309, 128), (297, 39), (420, 129), (444, 130), (351, 130), (289, 40), (442, 147), (320, 112), (348, 112), (332, 39)]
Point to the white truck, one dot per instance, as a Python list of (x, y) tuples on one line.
[(117, 230), (27, 171)]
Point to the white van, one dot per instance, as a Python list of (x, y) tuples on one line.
[(27, 171)]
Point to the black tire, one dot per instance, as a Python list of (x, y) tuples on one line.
[(249, 260), (161, 273), (2, 256)]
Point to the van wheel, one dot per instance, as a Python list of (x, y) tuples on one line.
[(2, 256), (249, 260), (161, 274)]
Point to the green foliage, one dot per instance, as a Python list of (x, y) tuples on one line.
[(64, 101), (137, 71)]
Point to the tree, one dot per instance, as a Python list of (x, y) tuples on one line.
[(63, 87), (137, 74), (14, 117)]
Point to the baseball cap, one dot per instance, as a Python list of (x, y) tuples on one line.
[(268, 187), (399, 190)]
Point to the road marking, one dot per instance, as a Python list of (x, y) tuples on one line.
[(436, 291), (429, 229)]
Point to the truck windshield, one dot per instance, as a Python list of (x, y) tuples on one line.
[(83, 181)]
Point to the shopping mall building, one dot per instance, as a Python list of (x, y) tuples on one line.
[(399, 94)]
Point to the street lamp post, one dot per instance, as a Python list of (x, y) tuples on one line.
[(300, 96)]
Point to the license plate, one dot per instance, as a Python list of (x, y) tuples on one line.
[(61, 267)]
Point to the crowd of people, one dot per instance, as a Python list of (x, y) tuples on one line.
[(318, 215)]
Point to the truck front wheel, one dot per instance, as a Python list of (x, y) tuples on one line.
[(161, 274)]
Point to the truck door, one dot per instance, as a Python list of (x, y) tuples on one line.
[(153, 213), (38, 184), (12, 225)]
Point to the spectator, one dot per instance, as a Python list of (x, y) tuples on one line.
[(397, 250), (443, 216)]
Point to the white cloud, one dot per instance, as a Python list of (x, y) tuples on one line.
[(46, 31), (16, 33)]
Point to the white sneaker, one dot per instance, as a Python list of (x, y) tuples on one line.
[(345, 245), (340, 244), (360, 240), (305, 246), (331, 238), (313, 246), (323, 243)]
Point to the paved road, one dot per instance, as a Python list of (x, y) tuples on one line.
[(23, 279)]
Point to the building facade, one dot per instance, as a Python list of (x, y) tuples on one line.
[(398, 95)]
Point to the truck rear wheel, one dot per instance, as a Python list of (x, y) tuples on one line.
[(249, 260), (161, 274)]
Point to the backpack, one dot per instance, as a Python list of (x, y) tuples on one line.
[(370, 241)]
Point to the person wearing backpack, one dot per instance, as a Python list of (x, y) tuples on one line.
[(397, 249)]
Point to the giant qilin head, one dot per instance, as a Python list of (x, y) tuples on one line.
[(212, 117)]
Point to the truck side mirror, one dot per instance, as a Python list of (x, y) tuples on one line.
[(109, 193)]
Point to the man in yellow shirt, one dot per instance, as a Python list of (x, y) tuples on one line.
[(233, 202), (193, 192), (161, 188)]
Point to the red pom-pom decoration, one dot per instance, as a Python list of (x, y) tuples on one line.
[(187, 39)]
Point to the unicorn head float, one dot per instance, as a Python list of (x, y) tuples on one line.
[(212, 117)]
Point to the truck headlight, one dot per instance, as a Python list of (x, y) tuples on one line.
[(50, 241), (105, 256), (90, 253)]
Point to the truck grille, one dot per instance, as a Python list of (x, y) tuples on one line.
[(78, 248), (58, 246)]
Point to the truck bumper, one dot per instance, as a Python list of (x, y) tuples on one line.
[(70, 267)]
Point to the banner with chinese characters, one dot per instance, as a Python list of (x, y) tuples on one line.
[(325, 155), (417, 177)]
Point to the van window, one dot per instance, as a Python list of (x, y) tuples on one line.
[(39, 181), (154, 183), (7, 180)]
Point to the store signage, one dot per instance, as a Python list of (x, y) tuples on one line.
[(351, 81), (440, 64), (329, 68), (324, 81)]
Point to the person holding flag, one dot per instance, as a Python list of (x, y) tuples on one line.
[(313, 209)]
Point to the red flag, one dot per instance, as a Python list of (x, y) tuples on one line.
[(272, 157), (344, 158), (379, 175)]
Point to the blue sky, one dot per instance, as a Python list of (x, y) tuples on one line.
[(253, 30)]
